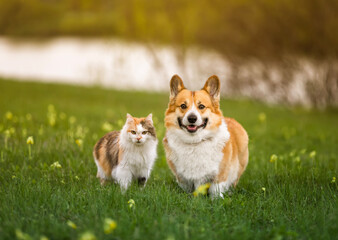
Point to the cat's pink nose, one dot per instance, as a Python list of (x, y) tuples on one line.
[(139, 138)]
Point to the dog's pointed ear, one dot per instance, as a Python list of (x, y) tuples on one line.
[(176, 85), (213, 87)]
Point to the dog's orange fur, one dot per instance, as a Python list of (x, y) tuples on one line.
[(235, 150)]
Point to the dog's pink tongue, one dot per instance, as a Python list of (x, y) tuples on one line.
[(192, 127)]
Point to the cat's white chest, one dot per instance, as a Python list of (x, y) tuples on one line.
[(139, 160)]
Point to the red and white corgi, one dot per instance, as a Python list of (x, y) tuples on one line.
[(201, 145)]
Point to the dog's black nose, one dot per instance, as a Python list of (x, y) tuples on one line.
[(192, 118)]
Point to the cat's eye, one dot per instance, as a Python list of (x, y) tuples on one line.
[(183, 106), (144, 132), (201, 106), (133, 132)]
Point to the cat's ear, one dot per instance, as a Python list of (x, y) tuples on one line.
[(129, 117), (176, 85), (150, 118)]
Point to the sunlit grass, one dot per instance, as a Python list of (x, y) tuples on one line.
[(289, 190)]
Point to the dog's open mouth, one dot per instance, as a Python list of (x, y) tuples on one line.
[(192, 128)]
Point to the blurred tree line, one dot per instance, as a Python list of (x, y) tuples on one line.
[(249, 28)]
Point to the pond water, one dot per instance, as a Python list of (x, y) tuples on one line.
[(110, 63), (147, 67)]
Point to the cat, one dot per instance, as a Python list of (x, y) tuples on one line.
[(122, 156)]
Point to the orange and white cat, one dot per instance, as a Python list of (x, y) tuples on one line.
[(128, 154), (201, 145)]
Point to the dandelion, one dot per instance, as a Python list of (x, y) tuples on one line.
[(77, 178), (297, 159), (51, 115), (71, 224), (13, 177), (262, 117), (56, 165), (87, 236), (62, 116), (263, 189), (79, 142), (120, 123), (109, 225), (131, 203), (202, 189), (273, 158), (72, 120), (107, 127), (30, 141), (28, 116), (312, 154), (9, 115), (44, 238), (333, 180), (21, 235)]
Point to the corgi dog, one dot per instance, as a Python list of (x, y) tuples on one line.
[(201, 145), (122, 156)]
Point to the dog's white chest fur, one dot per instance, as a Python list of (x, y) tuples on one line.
[(197, 158)]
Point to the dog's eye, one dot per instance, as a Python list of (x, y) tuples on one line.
[(201, 106), (144, 132), (133, 132), (183, 106)]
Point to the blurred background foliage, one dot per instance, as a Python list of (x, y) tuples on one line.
[(247, 28)]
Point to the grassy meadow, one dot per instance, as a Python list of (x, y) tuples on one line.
[(48, 188)]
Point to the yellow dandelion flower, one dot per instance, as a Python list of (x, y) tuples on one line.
[(7, 133), (29, 116), (107, 127), (9, 115), (131, 203), (56, 165), (297, 159), (263, 189), (12, 130), (21, 235), (71, 224), (109, 225), (87, 236), (30, 140), (333, 180), (312, 154), (202, 189), (79, 142), (120, 123), (72, 119), (63, 116), (77, 178), (273, 158), (262, 117)]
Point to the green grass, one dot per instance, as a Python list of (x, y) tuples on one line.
[(299, 201)]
